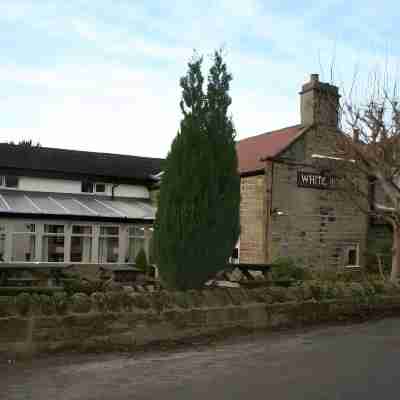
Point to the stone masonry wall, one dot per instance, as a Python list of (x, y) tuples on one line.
[(252, 219), (318, 226), (36, 324)]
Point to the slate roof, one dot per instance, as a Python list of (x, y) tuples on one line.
[(269, 144), (73, 163)]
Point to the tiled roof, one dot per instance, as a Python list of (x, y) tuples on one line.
[(72, 162), (269, 144)]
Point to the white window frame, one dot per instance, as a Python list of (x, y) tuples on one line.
[(64, 235), (134, 236), (100, 236), (94, 183), (83, 235), (14, 233)]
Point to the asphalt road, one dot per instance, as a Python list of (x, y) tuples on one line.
[(346, 362)]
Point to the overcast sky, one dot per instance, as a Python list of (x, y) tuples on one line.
[(103, 75)]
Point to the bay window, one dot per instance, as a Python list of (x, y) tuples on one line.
[(23, 242), (53, 243), (81, 243), (108, 244)]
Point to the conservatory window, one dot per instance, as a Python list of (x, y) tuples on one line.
[(53, 243), (81, 243), (136, 241), (23, 242), (108, 244)]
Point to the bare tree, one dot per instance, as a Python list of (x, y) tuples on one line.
[(370, 143), (28, 143)]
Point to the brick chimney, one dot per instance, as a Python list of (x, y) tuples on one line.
[(319, 103)]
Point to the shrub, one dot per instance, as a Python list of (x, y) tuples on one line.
[(87, 286), (286, 270), (141, 261)]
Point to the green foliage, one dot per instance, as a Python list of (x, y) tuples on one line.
[(197, 223), (141, 260), (14, 291), (86, 286), (286, 269), (379, 244)]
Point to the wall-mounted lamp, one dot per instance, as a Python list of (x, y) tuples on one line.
[(277, 212)]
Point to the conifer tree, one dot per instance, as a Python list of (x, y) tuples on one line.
[(141, 260), (197, 223)]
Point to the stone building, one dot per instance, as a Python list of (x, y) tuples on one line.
[(289, 203)]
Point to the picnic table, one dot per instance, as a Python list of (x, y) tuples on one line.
[(14, 274)]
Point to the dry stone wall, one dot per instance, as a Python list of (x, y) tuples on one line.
[(118, 320)]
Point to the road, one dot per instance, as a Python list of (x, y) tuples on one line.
[(354, 362)]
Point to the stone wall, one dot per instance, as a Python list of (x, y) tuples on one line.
[(316, 226), (252, 219), (121, 320), (379, 244)]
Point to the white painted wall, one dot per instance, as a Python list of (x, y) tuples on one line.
[(49, 185), (70, 186), (132, 191)]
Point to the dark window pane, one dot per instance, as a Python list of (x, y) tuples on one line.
[(109, 230), (11, 181), (57, 229), (87, 187), (81, 249), (100, 187), (81, 230), (53, 249), (352, 257)]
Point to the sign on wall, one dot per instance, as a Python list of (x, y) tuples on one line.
[(315, 180)]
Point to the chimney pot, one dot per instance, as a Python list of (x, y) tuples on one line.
[(319, 103), (314, 78)]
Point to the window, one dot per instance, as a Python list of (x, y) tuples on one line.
[(100, 187), (9, 181), (81, 243), (352, 255), (136, 241), (53, 243), (2, 242), (23, 242), (108, 244), (87, 187), (92, 187)]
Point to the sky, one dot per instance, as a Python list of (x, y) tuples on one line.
[(104, 75)]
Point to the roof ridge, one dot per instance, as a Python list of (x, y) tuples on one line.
[(77, 151)]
